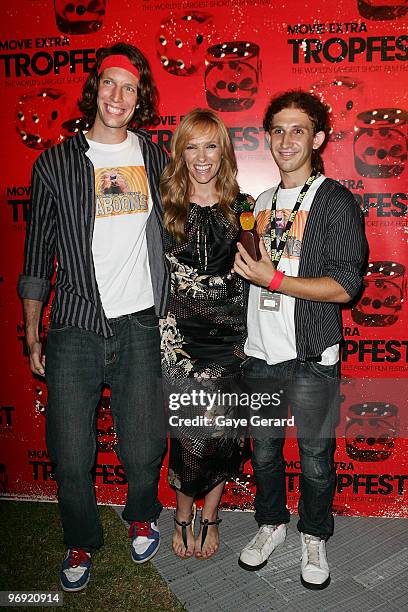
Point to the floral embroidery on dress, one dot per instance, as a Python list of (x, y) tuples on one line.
[(173, 479), (185, 279), (171, 347)]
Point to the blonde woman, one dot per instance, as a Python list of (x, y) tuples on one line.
[(203, 335)]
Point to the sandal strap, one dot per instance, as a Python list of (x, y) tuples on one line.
[(206, 523), (183, 525)]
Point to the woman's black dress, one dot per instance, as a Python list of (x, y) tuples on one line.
[(202, 346)]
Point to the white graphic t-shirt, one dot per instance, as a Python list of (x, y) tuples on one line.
[(271, 316), (119, 246)]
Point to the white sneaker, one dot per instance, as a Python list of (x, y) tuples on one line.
[(255, 554), (315, 572)]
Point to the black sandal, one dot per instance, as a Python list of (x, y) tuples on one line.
[(185, 524), (206, 523)]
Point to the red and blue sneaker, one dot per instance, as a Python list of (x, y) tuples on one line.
[(76, 570), (145, 540)]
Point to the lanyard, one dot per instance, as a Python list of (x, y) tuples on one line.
[(276, 253)]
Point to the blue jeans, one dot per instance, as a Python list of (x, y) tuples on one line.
[(78, 364), (312, 391)]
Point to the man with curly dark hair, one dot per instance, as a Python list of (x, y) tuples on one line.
[(96, 211), (312, 252)]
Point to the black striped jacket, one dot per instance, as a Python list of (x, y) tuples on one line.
[(60, 226), (333, 245)]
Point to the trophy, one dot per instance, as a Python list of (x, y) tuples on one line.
[(248, 236)]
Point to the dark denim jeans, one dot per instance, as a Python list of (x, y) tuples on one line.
[(312, 391), (78, 364)]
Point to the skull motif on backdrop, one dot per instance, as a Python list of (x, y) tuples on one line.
[(232, 75), (382, 10), (383, 296), (343, 96), (371, 431), (381, 142), (79, 16), (181, 42), (39, 117)]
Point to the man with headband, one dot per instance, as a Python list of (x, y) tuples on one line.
[(96, 210)]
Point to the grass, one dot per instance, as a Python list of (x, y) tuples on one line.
[(33, 550)]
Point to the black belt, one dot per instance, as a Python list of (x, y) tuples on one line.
[(315, 359), (146, 311)]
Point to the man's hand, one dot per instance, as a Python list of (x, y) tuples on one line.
[(37, 361), (323, 289), (32, 315), (257, 272)]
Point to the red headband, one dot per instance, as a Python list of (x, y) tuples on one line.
[(119, 61)]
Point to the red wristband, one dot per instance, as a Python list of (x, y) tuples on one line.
[(276, 280)]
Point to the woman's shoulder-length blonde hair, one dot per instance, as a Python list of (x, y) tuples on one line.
[(175, 182)]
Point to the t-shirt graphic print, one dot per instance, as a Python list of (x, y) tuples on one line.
[(121, 191), (293, 245)]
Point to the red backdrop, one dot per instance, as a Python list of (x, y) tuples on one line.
[(230, 55)]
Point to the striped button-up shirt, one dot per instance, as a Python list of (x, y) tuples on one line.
[(60, 226), (333, 245)]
